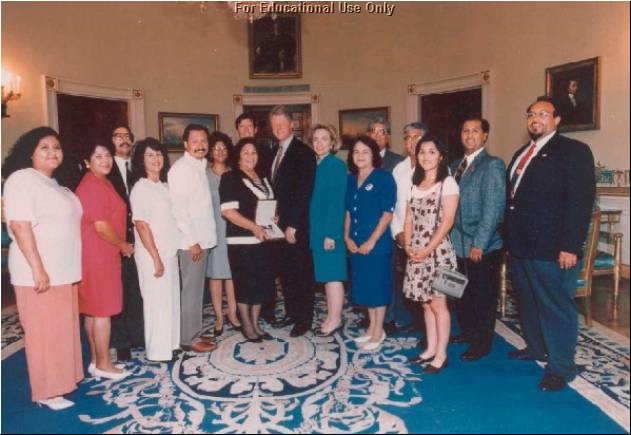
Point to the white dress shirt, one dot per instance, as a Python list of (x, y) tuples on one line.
[(540, 144), (192, 203), (402, 174)]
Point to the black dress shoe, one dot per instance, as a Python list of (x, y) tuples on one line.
[(419, 360), (458, 339), (474, 354), (432, 370), (217, 332), (525, 355), (285, 321), (123, 354), (255, 339), (552, 382), (265, 336), (299, 329)]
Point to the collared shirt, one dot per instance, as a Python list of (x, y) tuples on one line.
[(471, 157), (382, 153), (540, 144), (192, 203), (402, 174), (120, 162), (282, 145)]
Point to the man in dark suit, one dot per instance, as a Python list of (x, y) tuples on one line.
[(379, 131), (475, 236), (293, 174), (128, 326), (551, 195)]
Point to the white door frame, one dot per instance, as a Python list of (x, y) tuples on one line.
[(55, 85)]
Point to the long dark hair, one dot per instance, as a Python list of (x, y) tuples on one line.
[(138, 159), (218, 136), (443, 167), (19, 157)]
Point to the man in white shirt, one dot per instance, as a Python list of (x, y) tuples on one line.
[(398, 314), (192, 208), (128, 326)]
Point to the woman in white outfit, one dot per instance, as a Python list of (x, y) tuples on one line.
[(156, 254)]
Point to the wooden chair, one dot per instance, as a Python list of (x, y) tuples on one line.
[(590, 249), (607, 263)]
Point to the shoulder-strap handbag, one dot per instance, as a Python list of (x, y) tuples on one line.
[(447, 281)]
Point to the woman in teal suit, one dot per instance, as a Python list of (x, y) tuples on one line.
[(326, 221)]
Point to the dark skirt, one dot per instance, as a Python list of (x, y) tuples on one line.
[(371, 277), (252, 273)]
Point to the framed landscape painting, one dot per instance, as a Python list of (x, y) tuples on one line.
[(354, 122), (171, 127)]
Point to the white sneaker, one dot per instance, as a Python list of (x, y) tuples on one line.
[(92, 366), (98, 374), (56, 403)]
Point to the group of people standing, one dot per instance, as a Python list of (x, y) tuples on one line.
[(136, 240)]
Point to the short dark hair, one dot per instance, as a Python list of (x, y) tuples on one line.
[(19, 156), (218, 136), (237, 154), (138, 158), (545, 99), (486, 127), (125, 126), (374, 148), (88, 151), (194, 127), (245, 115), (443, 166)]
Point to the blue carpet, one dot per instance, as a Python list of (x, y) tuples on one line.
[(311, 385)]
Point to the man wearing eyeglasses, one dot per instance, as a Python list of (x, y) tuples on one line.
[(551, 190), (128, 326), (379, 131)]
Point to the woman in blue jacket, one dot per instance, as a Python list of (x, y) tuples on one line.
[(326, 225), (370, 199)]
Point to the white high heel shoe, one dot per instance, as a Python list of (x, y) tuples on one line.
[(56, 403), (362, 339), (371, 346), (98, 374), (92, 366)]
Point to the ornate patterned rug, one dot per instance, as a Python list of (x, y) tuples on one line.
[(326, 385)]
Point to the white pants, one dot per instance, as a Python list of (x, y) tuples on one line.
[(161, 297)]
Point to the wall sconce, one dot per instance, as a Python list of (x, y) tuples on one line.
[(11, 90)]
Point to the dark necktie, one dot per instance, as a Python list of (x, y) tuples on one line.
[(461, 168), (277, 163)]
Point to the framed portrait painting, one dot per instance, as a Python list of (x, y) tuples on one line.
[(576, 90), (171, 127), (274, 47), (354, 122)]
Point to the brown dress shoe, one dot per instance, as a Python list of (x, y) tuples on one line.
[(200, 346)]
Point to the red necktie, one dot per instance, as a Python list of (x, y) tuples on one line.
[(520, 167)]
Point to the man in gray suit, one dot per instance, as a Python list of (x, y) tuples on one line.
[(476, 238), (379, 131)]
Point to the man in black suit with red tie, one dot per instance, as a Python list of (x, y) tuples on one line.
[(293, 173), (128, 326), (551, 196)]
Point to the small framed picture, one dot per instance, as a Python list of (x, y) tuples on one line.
[(274, 47), (576, 90), (172, 125), (354, 122)]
